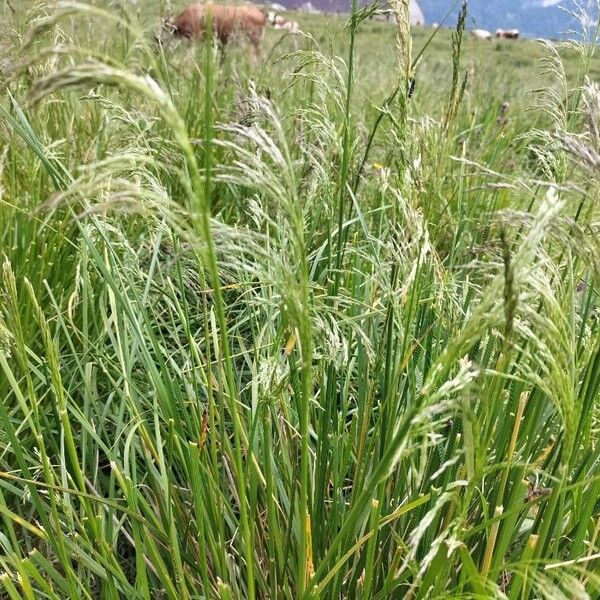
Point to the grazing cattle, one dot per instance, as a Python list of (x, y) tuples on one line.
[(279, 22), (230, 23), (274, 18), (291, 26), (481, 34), (507, 34)]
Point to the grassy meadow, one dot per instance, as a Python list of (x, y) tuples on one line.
[(323, 326)]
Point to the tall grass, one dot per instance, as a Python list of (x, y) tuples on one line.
[(259, 341)]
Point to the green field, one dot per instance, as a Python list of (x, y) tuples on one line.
[(323, 326)]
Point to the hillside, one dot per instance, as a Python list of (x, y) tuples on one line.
[(515, 63)]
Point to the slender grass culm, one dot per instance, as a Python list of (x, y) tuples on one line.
[(319, 326)]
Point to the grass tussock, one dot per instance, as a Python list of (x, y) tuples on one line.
[(321, 327)]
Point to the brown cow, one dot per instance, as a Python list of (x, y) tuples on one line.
[(507, 34), (243, 22)]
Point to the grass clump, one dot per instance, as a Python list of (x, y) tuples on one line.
[(321, 327)]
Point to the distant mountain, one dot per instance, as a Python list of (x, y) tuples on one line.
[(533, 18), (345, 6)]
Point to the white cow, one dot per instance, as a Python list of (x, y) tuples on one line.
[(291, 26), (279, 22), (481, 34)]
